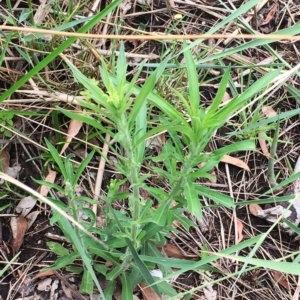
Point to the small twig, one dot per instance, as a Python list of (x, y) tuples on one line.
[(152, 36), (149, 56), (101, 168), (271, 172)]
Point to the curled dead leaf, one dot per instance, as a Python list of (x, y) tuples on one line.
[(4, 157), (240, 227), (235, 161), (148, 293), (25, 205), (263, 144), (280, 278), (18, 227), (226, 98), (254, 209), (73, 130), (268, 111), (31, 217), (44, 273), (49, 178), (272, 12), (173, 251)]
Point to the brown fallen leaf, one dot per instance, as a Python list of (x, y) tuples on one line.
[(73, 130), (263, 144), (18, 227), (254, 209), (45, 273), (235, 161), (268, 111), (42, 12), (4, 157), (279, 277), (31, 217), (240, 228), (25, 205), (226, 98), (148, 293), (173, 251), (270, 14), (49, 178)]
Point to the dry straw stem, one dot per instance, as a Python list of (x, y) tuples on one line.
[(152, 36)]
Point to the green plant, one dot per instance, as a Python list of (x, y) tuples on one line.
[(128, 234)]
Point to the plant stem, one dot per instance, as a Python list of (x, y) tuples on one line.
[(134, 199)]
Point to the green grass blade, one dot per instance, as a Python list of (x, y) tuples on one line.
[(7, 266), (282, 116), (238, 12), (293, 30), (284, 267), (59, 50)]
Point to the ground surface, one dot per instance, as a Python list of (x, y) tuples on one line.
[(199, 17)]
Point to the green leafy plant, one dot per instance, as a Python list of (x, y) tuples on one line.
[(128, 234)]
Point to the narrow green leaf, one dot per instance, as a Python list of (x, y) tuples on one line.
[(84, 256), (8, 264), (219, 96), (4, 48), (215, 196), (58, 249), (63, 261), (176, 263), (85, 119), (155, 131), (246, 145), (140, 131), (197, 265), (87, 284), (121, 71), (57, 158), (82, 167), (127, 292), (284, 267), (187, 131), (193, 82), (161, 215), (146, 90), (163, 105), (233, 15), (142, 267), (94, 247), (109, 291), (282, 116), (192, 199)]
